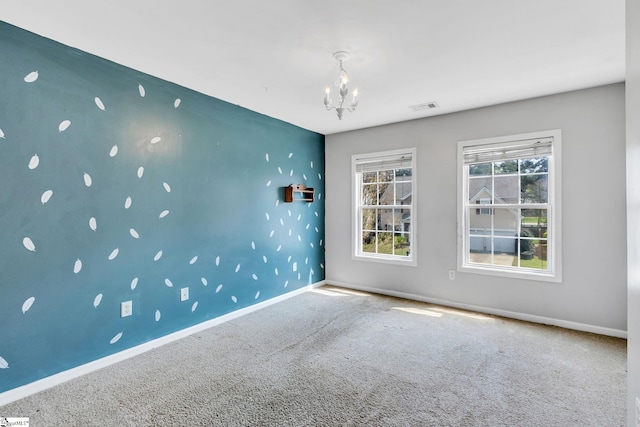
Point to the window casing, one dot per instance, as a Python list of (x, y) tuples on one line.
[(516, 180), (384, 195)]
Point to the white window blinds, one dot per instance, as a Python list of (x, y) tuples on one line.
[(371, 164), (527, 148)]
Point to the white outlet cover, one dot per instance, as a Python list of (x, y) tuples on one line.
[(184, 294), (126, 308)]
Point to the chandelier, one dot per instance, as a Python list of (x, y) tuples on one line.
[(343, 89)]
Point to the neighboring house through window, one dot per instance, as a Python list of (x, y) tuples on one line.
[(516, 180), (384, 206)]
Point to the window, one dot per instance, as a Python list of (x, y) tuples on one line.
[(516, 180), (484, 211), (384, 206)]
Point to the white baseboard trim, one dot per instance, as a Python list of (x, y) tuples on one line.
[(59, 378), (488, 310)]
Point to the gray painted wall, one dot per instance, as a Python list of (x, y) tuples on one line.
[(633, 203), (593, 291)]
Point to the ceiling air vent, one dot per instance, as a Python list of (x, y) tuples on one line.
[(421, 107)]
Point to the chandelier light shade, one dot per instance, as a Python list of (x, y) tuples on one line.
[(342, 83)]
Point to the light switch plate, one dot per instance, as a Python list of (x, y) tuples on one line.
[(184, 294)]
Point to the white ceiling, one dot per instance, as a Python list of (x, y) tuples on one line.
[(275, 57)]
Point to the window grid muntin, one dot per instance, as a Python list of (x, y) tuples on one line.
[(520, 206), (390, 180)]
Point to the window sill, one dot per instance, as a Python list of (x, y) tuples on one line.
[(405, 261), (514, 274)]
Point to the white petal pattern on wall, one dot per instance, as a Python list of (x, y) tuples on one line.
[(99, 103), (3, 363), (26, 305), (108, 224), (64, 125), (114, 253), (141, 145), (28, 243), (34, 162), (31, 77), (116, 338), (46, 196)]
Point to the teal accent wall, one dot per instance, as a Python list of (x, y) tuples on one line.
[(117, 186)]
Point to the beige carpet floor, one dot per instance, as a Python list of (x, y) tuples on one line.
[(334, 357)]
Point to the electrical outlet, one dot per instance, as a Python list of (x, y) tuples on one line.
[(126, 308), (637, 412), (184, 294), (452, 275)]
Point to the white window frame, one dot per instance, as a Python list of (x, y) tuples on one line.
[(356, 214), (554, 211)]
